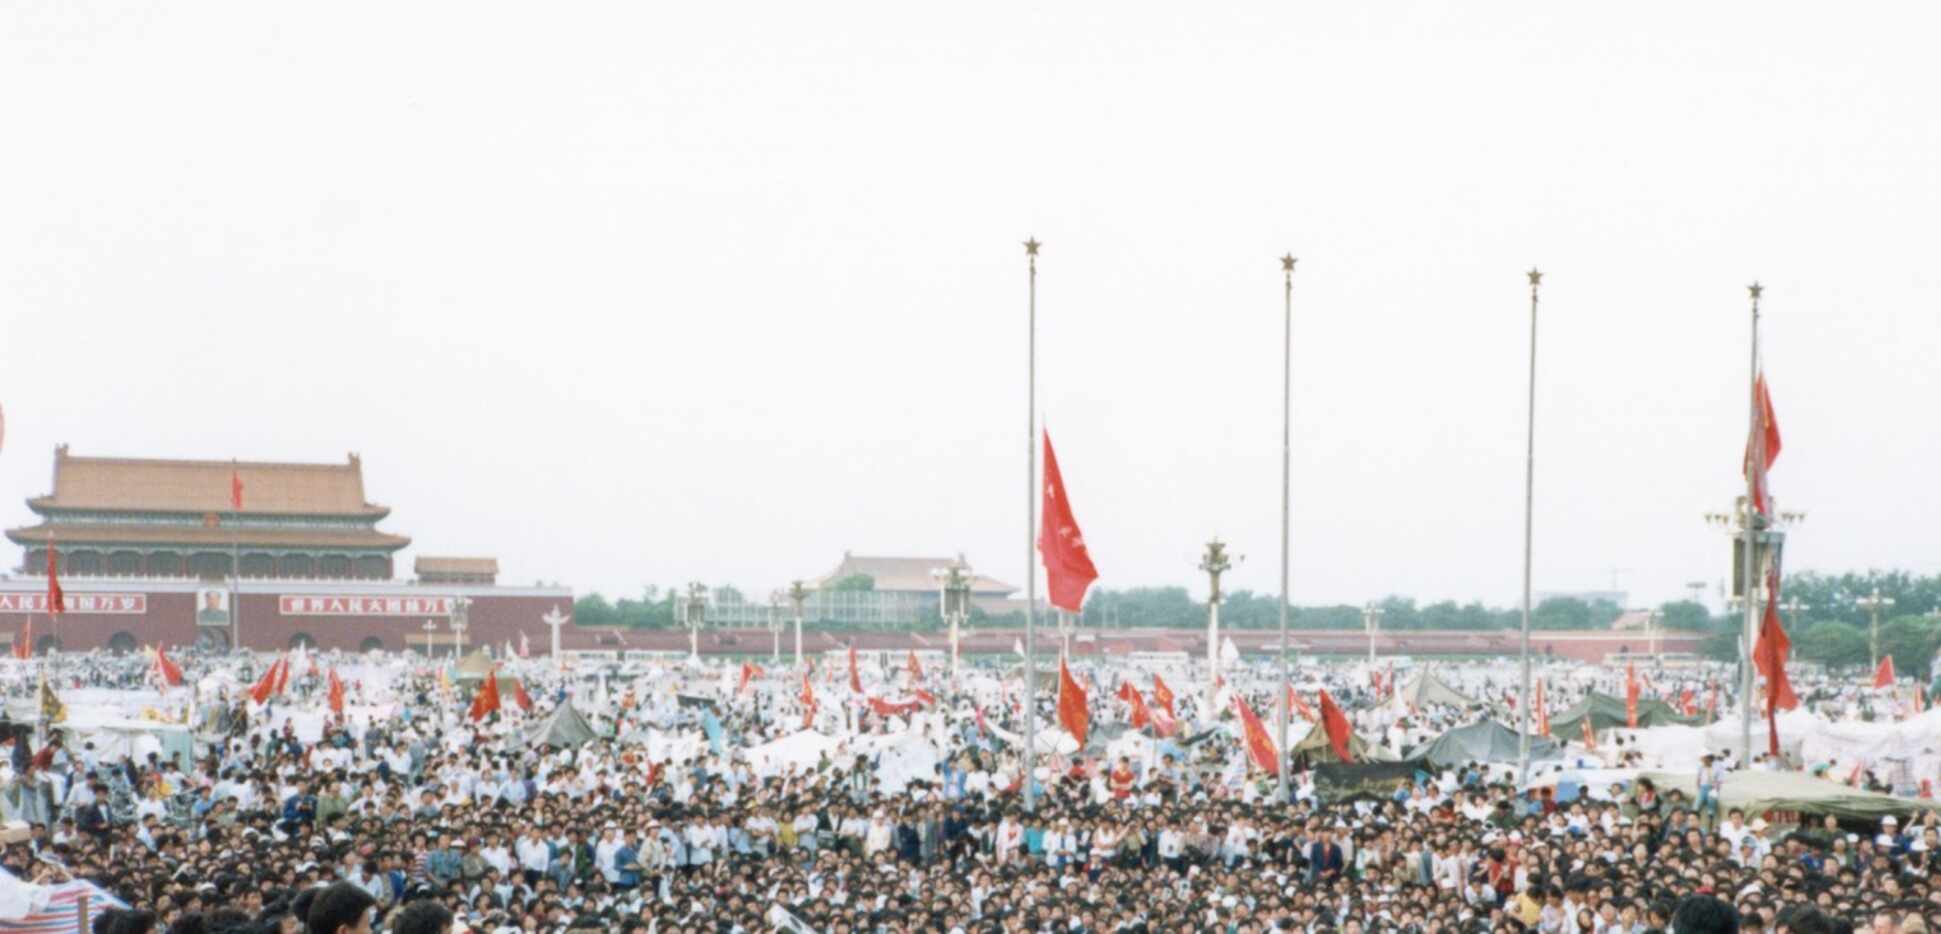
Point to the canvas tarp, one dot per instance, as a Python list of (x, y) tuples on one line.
[(1335, 782), (1607, 713), (1425, 689), (1795, 793), (473, 667), (1487, 741), (564, 728), (1314, 749)]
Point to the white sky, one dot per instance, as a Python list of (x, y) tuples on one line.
[(630, 293)]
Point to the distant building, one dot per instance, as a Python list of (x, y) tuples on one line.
[(440, 570), (901, 591)]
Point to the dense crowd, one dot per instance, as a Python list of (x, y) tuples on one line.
[(428, 819)]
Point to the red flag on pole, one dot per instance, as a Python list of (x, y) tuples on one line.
[(1300, 706), (336, 695), (1770, 652), (1072, 714), (1590, 735), (1260, 748), (282, 674), (1688, 702), (748, 673), (808, 692), (235, 489), (1542, 712), (520, 696), (1884, 675), (23, 647), (1163, 695), (266, 685), (1336, 723), (1765, 440), (855, 678), (916, 669), (1141, 717), (56, 598), (167, 671), (1631, 695), (1068, 566), (487, 699)]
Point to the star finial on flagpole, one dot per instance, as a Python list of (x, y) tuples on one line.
[(1755, 289), (1031, 247), (1536, 278), (1287, 263)]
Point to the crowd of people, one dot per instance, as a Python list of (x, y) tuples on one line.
[(426, 819)]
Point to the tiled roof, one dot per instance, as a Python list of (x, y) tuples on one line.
[(217, 537), (429, 564), (907, 574), (152, 485)]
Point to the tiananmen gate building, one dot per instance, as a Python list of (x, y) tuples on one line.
[(147, 551)]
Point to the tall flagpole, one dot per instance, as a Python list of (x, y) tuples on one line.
[(1754, 467), (1030, 537), (1287, 431), (1529, 521)]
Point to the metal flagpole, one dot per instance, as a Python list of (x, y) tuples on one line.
[(1030, 529), (1529, 520), (1746, 681), (1287, 395), (236, 566)]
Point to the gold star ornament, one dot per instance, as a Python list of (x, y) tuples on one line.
[(1031, 247), (1755, 289), (1287, 263), (1536, 278)]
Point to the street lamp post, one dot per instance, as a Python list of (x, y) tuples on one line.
[(1872, 603), (775, 628), (1371, 620), (954, 605), (431, 634), (1214, 562), (555, 619), (1757, 540), (1651, 633), (461, 613), (798, 595), (696, 612)]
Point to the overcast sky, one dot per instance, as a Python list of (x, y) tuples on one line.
[(627, 293)]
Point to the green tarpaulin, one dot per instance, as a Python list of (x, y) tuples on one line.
[(1607, 713), (1425, 689), (1794, 793), (1314, 749), (1488, 741)]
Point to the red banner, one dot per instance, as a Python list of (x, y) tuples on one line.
[(118, 604), (326, 605)]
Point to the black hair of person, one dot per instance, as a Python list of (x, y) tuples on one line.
[(423, 916), (1705, 914), (337, 905)]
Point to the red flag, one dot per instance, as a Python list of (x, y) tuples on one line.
[(520, 696), (924, 697), (1072, 714), (336, 695), (1542, 712), (1631, 695), (265, 686), (883, 708), (282, 674), (1884, 675), (487, 699), (1769, 653), (1688, 702), (1141, 717), (169, 672), (855, 679), (235, 489), (23, 647), (1765, 439), (1590, 735), (1163, 722), (982, 727), (56, 598), (1300, 706), (748, 673), (1712, 703), (1068, 566), (1260, 747), (1163, 695), (808, 692), (916, 670), (1336, 723)]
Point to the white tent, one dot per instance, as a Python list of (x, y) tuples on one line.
[(803, 750)]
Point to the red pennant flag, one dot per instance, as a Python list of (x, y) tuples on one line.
[(855, 679), (265, 686), (56, 597), (883, 708), (520, 696), (916, 670), (1162, 722), (1141, 717), (1688, 702), (487, 699), (1300, 706), (924, 697), (1336, 723), (1542, 712), (1260, 747), (808, 692), (1163, 696), (1765, 439), (1590, 735), (336, 695), (167, 671), (23, 647), (748, 673), (235, 489), (1068, 566), (282, 674), (1770, 652), (1884, 675), (1631, 695), (982, 727), (1072, 714)]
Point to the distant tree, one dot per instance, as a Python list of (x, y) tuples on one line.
[(1911, 640), (1561, 613), (1685, 616), (594, 610), (1831, 643)]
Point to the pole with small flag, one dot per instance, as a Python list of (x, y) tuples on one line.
[(1529, 525), (1031, 530), (1287, 436), (235, 557)]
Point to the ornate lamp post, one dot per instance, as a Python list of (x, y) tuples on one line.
[(953, 604), (696, 612), (1872, 603), (461, 612), (798, 595), (431, 633), (775, 626), (555, 619), (1371, 620), (1214, 562)]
